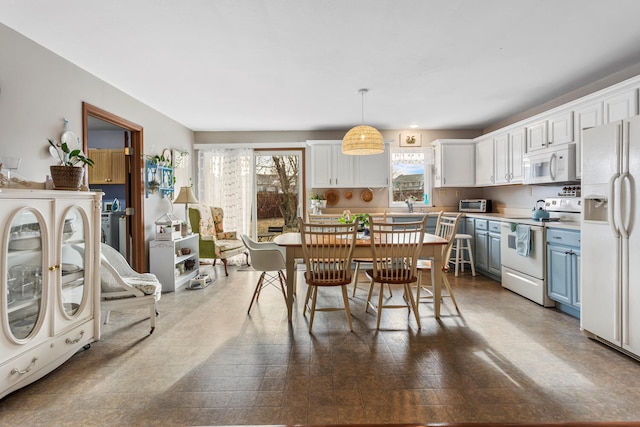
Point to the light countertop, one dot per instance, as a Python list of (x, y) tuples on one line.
[(519, 216)]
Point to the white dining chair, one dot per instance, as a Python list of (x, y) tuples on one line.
[(268, 258)]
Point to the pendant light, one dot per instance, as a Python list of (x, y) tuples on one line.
[(363, 140)]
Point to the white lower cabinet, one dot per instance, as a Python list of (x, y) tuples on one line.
[(51, 281), (171, 265)]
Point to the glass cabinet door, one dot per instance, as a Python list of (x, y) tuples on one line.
[(24, 288), (73, 262)]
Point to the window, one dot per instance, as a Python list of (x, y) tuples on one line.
[(411, 176)]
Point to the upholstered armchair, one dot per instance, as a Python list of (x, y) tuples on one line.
[(215, 243)]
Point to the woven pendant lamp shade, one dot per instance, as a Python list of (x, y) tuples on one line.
[(363, 140)]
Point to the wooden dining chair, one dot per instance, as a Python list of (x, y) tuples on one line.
[(445, 228), (327, 251), (395, 248), (377, 217)]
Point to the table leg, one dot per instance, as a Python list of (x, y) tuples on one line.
[(290, 262)]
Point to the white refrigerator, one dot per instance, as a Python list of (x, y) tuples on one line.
[(610, 239)]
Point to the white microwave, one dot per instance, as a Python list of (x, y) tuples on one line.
[(550, 166)]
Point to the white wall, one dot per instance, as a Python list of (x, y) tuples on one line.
[(38, 89)]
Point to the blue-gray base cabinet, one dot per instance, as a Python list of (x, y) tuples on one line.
[(430, 226), (487, 247), (563, 269)]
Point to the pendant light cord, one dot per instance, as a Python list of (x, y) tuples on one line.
[(362, 92)]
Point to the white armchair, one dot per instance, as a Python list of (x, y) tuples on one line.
[(122, 287)]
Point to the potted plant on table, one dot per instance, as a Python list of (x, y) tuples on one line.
[(68, 174), (363, 221)]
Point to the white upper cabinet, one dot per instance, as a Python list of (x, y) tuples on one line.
[(332, 169), (501, 168), (517, 144), (621, 106), (508, 151), (329, 167), (372, 170), (484, 162), (553, 130), (499, 154), (454, 163), (586, 117)]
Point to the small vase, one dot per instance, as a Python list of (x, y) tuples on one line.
[(66, 177)]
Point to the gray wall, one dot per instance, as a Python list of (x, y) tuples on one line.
[(38, 89)]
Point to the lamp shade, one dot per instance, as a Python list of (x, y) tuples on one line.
[(362, 140), (186, 196)]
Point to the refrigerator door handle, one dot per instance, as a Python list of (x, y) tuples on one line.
[(626, 199), (612, 202)]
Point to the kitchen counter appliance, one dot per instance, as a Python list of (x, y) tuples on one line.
[(474, 205), (610, 245), (526, 275), (550, 166)]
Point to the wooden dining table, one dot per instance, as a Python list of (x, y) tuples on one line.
[(431, 248)]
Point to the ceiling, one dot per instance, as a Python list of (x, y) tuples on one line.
[(240, 65)]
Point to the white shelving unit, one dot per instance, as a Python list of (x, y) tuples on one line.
[(165, 262)]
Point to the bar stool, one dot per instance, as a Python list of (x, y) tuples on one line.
[(463, 243)]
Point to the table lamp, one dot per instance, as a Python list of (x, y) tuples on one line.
[(186, 196)]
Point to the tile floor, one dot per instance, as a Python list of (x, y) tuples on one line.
[(209, 363)]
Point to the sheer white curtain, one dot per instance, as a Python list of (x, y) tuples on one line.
[(225, 179)]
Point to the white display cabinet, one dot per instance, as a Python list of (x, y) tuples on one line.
[(49, 300)]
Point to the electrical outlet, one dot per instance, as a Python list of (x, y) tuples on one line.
[(530, 191), (457, 193), (442, 193)]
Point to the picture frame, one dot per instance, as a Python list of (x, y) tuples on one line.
[(410, 139)]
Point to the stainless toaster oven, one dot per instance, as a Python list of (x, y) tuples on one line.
[(474, 205)]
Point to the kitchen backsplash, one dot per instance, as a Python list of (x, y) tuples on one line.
[(511, 197)]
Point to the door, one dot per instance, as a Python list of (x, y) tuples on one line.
[(136, 247), (631, 250), (495, 265), (517, 142), (501, 160), (601, 247), (278, 195), (559, 273), (484, 163), (482, 250)]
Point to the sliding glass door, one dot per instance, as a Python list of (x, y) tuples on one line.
[(278, 191)]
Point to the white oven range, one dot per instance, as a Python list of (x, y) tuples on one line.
[(525, 275)]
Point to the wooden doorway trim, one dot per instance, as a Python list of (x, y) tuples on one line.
[(138, 242)]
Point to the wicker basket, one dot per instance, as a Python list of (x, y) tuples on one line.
[(66, 177)]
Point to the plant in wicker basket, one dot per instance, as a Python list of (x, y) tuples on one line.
[(68, 174)]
